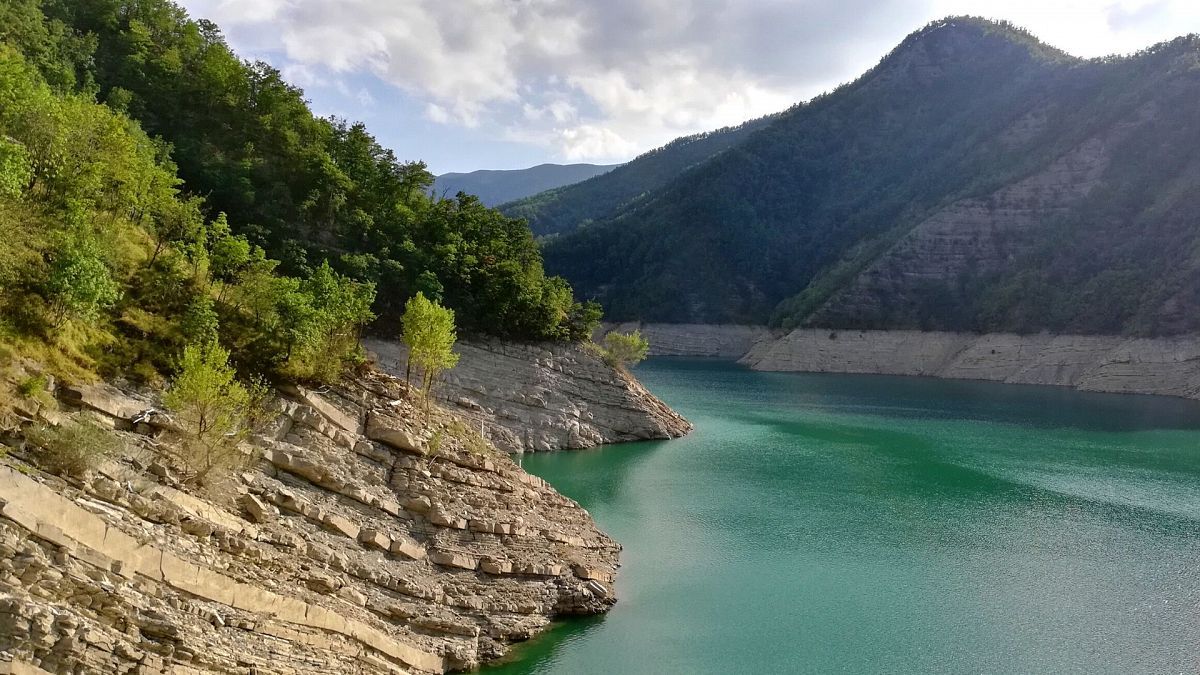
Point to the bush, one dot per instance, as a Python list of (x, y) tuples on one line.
[(430, 334), (210, 406), (73, 448), (625, 349)]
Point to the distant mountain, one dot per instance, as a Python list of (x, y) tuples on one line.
[(497, 187), (566, 208), (976, 179)]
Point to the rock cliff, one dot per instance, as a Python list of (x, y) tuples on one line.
[(1167, 366), (545, 396), (364, 536)]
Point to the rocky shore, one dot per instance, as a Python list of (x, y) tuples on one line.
[(538, 397), (1164, 366), (366, 537), (1167, 366)]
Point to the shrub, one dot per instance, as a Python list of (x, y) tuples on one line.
[(73, 448), (32, 386), (209, 405), (429, 334), (625, 349)]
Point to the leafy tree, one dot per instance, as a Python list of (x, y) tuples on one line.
[(209, 405), (15, 172), (200, 325), (429, 334), (79, 284), (625, 349)]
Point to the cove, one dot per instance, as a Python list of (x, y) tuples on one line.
[(867, 524)]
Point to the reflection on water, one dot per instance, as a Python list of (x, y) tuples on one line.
[(861, 524)]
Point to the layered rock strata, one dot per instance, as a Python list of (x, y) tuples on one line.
[(366, 538), (723, 341), (544, 396), (1166, 366)]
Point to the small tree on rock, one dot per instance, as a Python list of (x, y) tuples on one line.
[(625, 349), (430, 334), (210, 407)]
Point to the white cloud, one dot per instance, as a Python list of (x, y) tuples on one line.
[(604, 80)]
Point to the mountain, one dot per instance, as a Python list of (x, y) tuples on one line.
[(975, 179), (566, 208), (497, 187)]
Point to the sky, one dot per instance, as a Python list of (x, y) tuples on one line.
[(505, 84)]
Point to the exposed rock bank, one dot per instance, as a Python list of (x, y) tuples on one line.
[(726, 341), (544, 396), (1166, 366), (367, 539)]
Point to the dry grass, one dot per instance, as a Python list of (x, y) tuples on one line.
[(74, 448)]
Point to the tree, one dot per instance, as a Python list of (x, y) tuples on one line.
[(209, 406), (79, 284), (15, 172), (625, 349), (429, 334)]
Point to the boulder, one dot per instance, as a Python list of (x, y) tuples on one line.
[(390, 432)]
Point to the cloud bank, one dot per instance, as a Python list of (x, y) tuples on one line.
[(600, 80)]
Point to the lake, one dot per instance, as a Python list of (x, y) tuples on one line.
[(864, 524)]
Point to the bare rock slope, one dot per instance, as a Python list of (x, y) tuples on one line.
[(366, 538), (536, 397), (1167, 366)]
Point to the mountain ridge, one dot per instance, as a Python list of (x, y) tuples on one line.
[(775, 225), (499, 186)]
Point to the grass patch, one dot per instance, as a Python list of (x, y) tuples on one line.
[(74, 448)]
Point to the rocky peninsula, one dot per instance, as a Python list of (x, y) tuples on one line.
[(547, 396), (366, 535)]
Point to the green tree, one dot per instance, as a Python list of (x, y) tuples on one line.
[(625, 349), (79, 284), (15, 172), (209, 405), (429, 334)]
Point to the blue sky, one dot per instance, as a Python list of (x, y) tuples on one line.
[(501, 84)]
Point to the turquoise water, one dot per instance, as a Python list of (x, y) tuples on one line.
[(859, 524)]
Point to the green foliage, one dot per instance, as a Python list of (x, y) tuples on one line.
[(32, 386), (323, 319), (200, 325), (625, 349), (79, 284), (307, 190), (74, 448), (562, 210), (783, 225), (429, 334), (15, 170), (209, 405)]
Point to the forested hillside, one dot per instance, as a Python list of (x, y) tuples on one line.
[(976, 179), (494, 187), (566, 208), (157, 191)]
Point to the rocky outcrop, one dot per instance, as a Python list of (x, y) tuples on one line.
[(367, 537), (1167, 366), (971, 238), (724, 341), (544, 396)]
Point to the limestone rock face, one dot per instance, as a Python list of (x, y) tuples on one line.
[(724, 341), (1166, 366), (544, 397), (333, 553)]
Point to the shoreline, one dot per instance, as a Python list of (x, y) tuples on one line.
[(1167, 366)]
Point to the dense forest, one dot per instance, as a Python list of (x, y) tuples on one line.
[(567, 208), (824, 216), (155, 189)]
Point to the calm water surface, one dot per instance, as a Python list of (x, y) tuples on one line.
[(859, 524)]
